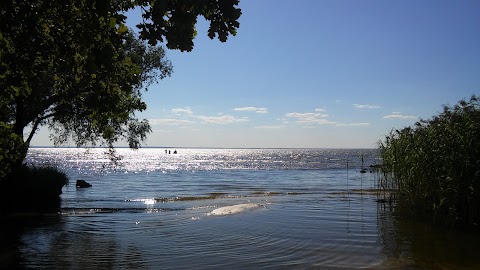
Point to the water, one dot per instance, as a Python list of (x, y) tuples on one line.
[(310, 208)]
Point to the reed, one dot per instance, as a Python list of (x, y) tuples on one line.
[(435, 164), (32, 189)]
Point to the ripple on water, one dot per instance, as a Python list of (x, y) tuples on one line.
[(152, 211)]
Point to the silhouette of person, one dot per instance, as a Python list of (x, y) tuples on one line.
[(175, 151)]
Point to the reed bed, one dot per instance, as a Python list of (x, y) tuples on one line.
[(32, 189), (434, 165)]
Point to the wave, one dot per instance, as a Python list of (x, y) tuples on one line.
[(213, 196), (107, 210)]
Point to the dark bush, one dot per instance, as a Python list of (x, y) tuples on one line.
[(32, 189)]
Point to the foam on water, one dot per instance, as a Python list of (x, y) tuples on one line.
[(234, 209)]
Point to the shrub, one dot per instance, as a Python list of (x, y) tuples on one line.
[(33, 189), (436, 164)]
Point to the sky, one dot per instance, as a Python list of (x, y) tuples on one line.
[(315, 74)]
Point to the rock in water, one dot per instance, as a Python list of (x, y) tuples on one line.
[(83, 184)]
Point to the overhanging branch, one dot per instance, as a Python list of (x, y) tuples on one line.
[(38, 121)]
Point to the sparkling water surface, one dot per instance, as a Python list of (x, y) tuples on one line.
[(152, 210)]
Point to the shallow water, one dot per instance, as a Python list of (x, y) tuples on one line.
[(152, 211)]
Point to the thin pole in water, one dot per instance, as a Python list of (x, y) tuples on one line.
[(347, 176)]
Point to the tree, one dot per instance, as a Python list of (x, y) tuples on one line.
[(75, 67), (174, 21)]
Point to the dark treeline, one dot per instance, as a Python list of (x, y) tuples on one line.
[(435, 165)]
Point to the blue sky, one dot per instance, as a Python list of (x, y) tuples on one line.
[(333, 74)]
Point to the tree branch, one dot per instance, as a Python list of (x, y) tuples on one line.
[(38, 121)]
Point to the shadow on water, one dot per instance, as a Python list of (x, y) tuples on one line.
[(414, 244), (45, 241), (12, 231), (417, 244), (409, 243)]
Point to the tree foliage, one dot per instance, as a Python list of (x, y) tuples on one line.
[(10, 143), (174, 21), (75, 67), (436, 163)]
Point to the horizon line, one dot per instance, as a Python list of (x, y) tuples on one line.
[(203, 147)]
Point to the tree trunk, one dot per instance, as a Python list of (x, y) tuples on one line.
[(18, 127)]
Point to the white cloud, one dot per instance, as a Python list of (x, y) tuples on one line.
[(320, 110), (162, 131), (168, 122), (397, 115), (306, 115), (270, 127), (186, 110), (224, 119), (283, 120), (251, 109), (353, 124), (310, 118), (365, 106)]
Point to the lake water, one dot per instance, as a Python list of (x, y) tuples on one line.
[(295, 209)]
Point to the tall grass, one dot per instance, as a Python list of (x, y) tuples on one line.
[(32, 189), (435, 164)]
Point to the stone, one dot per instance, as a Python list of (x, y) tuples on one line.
[(83, 184)]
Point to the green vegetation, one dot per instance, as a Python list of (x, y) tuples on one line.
[(32, 189), (435, 165), (76, 68), (73, 66)]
